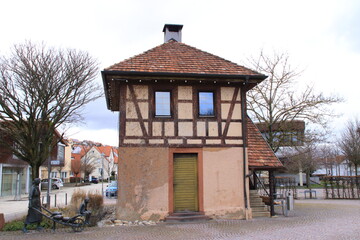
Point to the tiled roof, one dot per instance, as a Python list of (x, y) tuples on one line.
[(105, 149), (176, 57), (116, 155), (260, 154)]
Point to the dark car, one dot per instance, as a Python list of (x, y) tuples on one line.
[(112, 189), (94, 180)]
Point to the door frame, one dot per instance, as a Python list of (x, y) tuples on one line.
[(199, 153)]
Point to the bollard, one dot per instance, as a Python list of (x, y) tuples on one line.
[(55, 200), (289, 201), (65, 199)]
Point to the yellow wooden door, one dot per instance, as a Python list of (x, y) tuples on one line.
[(185, 183)]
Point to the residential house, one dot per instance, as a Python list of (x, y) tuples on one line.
[(182, 137), (336, 166), (287, 136), (109, 160), (60, 165), (101, 159)]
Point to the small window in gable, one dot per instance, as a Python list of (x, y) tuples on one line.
[(206, 104), (162, 103)]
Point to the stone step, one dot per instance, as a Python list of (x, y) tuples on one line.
[(256, 200), (187, 213), (261, 214), (258, 206), (259, 209), (186, 217)]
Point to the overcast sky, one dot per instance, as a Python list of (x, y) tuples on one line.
[(322, 37)]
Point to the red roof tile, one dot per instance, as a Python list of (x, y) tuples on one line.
[(105, 149), (260, 154), (176, 57)]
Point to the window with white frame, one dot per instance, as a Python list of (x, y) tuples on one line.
[(163, 104), (206, 104), (63, 175), (53, 174)]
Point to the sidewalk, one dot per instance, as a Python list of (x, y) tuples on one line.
[(17, 209)]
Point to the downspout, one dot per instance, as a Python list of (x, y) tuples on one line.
[(244, 134), (1, 177)]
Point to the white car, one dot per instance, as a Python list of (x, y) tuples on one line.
[(56, 183)]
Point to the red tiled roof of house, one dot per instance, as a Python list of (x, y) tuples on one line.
[(76, 157), (105, 149), (116, 155), (176, 57), (259, 152)]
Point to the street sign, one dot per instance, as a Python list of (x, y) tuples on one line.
[(55, 162)]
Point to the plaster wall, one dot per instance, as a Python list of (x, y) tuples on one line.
[(185, 93), (223, 183), (143, 183), (227, 93), (236, 115), (185, 110), (131, 111), (141, 92)]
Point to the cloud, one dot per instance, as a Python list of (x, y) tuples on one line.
[(97, 116), (105, 136)]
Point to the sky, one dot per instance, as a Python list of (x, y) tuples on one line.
[(321, 37)]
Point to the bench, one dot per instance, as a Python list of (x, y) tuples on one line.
[(277, 202), (311, 196)]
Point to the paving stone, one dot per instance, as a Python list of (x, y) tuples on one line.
[(312, 219)]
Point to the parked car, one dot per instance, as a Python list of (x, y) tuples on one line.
[(94, 180), (56, 183), (112, 189)]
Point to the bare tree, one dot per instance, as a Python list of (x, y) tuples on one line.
[(76, 169), (109, 167), (277, 101), (303, 159), (332, 159), (350, 143), (42, 88)]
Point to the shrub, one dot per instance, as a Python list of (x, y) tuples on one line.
[(96, 203), (19, 224)]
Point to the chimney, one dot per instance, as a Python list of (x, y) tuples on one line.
[(172, 31)]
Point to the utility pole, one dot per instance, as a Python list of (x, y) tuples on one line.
[(102, 174), (49, 185)]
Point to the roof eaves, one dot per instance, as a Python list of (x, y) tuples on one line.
[(256, 77)]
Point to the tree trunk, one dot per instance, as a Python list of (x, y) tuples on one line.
[(34, 171), (356, 169), (308, 183), (271, 192)]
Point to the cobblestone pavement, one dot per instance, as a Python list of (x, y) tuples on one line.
[(312, 219)]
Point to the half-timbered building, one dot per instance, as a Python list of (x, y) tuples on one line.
[(182, 132)]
